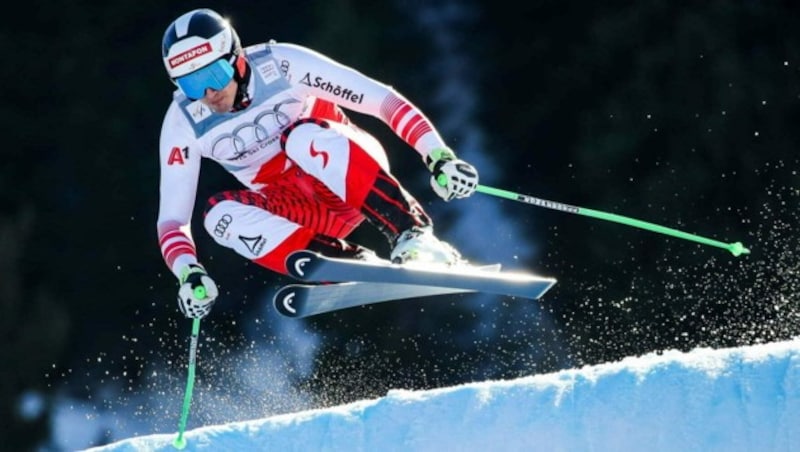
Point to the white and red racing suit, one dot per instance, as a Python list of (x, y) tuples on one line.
[(310, 176)]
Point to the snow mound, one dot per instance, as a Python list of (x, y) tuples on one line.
[(738, 399)]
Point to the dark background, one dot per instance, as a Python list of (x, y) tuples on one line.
[(680, 113)]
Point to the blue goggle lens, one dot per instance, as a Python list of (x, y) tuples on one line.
[(216, 76)]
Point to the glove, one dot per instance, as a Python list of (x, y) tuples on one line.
[(197, 293), (451, 176)]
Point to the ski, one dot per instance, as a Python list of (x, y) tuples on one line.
[(398, 281), (305, 300)]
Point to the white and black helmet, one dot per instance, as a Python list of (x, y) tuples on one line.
[(199, 50)]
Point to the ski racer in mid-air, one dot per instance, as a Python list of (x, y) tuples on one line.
[(271, 114)]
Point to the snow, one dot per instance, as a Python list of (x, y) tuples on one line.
[(737, 399)]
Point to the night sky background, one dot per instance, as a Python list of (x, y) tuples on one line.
[(683, 114)]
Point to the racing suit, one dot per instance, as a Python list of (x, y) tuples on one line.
[(310, 176)]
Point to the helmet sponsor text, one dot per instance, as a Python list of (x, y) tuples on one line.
[(189, 55)]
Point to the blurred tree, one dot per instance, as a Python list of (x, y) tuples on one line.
[(663, 111)]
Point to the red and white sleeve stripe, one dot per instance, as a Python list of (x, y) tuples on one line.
[(410, 124), (177, 248)]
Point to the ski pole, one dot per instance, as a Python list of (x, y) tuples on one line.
[(180, 441), (735, 248)]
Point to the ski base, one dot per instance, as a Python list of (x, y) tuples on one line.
[(361, 282), (305, 300)]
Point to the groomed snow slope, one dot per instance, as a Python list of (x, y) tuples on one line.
[(739, 399)]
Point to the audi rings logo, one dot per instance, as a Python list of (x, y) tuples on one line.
[(222, 225), (250, 137)]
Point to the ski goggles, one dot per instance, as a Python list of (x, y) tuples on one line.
[(216, 76)]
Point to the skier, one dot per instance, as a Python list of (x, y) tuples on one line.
[(271, 115)]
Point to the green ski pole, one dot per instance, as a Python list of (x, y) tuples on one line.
[(180, 441), (735, 248)]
